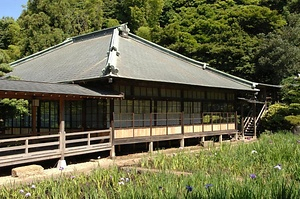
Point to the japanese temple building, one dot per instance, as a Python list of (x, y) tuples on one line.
[(111, 88)]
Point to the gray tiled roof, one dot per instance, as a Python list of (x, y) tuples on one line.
[(53, 88), (143, 61), (84, 57), (73, 60)]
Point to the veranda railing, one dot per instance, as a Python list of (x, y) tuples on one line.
[(135, 120), (37, 148)]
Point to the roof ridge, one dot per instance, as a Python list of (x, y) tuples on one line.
[(113, 53)]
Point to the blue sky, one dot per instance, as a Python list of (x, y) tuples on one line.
[(11, 8)]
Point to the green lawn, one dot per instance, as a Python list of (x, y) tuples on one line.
[(268, 168)]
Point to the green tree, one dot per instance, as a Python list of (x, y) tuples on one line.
[(140, 13), (48, 22), (9, 38), (221, 33), (278, 55)]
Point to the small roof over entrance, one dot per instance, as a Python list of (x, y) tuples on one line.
[(28, 89)]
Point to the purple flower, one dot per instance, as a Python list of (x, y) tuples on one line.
[(33, 186), (189, 188), (207, 186), (27, 194), (61, 168), (121, 183), (21, 191), (252, 175), (72, 177)]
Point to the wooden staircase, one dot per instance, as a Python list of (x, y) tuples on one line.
[(252, 121)]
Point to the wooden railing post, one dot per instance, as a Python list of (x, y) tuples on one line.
[(26, 146), (89, 139)]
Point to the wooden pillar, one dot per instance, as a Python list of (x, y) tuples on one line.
[(112, 127), (254, 117), (35, 104), (242, 122), (62, 133), (182, 142), (182, 129), (211, 121), (235, 121), (34, 111), (151, 147)]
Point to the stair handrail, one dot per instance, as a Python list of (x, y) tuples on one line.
[(261, 113)]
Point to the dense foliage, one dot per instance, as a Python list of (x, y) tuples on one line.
[(267, 168), (285, 115)]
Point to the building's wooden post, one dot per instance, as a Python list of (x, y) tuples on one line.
[(220, 138), (227, 121), (242, 122), (112, 151), (202, 117), (182, 130), (133, 124), (212, 122), (35, 104), (254, 117), (62, 140), (151, 147), (235, 121), (151, 120), (112, 127)]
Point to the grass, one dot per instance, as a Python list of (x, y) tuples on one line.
[(268, 168)]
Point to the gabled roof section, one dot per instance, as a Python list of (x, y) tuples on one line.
[(115, 52), (81, 57)]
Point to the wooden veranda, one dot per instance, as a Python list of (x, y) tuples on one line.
[(30, 149), (38, 146), (125, 128)]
